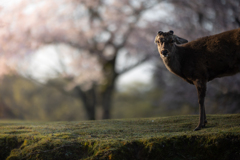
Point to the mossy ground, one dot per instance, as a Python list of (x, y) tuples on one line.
[(150, 138)]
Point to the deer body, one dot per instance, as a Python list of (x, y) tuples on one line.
[(202, 60)]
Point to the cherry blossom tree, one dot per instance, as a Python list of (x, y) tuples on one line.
[(99, 31)]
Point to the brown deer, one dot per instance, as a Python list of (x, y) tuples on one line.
[(200, 61)]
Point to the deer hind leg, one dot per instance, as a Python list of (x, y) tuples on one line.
[(201, 87), (205, 118)]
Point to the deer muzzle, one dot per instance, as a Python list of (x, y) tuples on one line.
[(165, 53)]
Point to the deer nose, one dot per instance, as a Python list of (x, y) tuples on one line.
[(164, 52)]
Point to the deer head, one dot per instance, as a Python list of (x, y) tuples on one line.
[(166, 43)]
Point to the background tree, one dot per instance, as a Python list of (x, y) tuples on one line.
[(100, 29)]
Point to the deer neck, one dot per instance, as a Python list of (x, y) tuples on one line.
[(173, 62)]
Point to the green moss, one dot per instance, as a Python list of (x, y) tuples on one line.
[(8, 145), (151, 138)]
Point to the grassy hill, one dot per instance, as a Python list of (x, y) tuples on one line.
[(170, 138)]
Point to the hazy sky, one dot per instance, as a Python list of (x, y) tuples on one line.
[(8, 2), (45, 63)]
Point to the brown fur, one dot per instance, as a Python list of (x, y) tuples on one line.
[(201, 60)]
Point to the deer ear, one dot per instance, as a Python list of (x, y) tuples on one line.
[(160, 32), (171, 32), (180, 40)]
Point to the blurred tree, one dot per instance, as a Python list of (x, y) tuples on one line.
[(101, 29)]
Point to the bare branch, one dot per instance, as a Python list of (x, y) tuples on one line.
[(134, 65)]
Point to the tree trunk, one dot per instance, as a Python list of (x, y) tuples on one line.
[(107, 96), (89, 100), (107, 89)]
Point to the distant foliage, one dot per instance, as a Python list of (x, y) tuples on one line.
[(23, 99)]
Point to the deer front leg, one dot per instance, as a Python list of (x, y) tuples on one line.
[(205, 118), (201, 89)]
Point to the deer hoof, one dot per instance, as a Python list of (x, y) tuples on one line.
[(198, 128)]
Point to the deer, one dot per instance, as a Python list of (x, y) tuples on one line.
[(201, 60)]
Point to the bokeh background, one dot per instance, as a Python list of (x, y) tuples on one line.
[(96, 59)]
